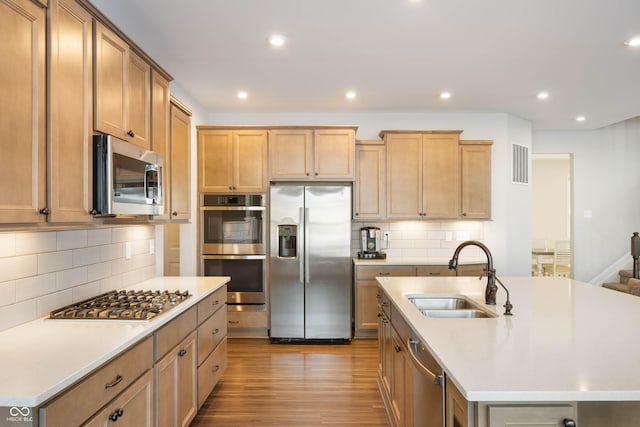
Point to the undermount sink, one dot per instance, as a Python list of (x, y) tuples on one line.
[(448, 307)]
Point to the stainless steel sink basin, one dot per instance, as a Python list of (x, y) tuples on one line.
[(448, 307), (457, 314)]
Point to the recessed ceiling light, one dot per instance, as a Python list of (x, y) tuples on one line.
[(276, 40), (242, 95), (581, 119), (543, 95), (445, 95), (633, 41), (351, 94)]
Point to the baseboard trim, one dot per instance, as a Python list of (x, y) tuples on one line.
[(610, 274)]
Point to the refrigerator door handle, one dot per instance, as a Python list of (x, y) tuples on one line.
[(307, 244), (302, 255)]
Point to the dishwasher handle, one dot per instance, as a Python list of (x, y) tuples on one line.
[(412, 345)]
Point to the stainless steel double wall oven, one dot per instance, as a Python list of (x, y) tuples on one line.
[(232, 243)]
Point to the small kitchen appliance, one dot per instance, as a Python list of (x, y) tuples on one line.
[(370, 243)]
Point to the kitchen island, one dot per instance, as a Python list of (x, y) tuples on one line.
[(46, 358), (567, 344)]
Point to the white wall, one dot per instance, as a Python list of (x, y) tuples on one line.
[(550, 178), (606, 183), (511, 204)]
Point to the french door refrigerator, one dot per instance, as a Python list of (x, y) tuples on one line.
[(310, 263)]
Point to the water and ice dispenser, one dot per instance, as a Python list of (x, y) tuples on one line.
[(287, 241)]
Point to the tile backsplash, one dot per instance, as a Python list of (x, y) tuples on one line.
[(44, 270), (412, 239)]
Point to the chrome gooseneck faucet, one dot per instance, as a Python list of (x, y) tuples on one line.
[(491, 289)]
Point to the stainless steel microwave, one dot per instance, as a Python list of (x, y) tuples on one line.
[(127, 179)]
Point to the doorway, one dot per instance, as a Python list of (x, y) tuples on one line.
[(552, 215)]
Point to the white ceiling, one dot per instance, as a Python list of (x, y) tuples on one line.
[(492, 55)]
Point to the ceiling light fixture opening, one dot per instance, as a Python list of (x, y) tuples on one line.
[(350, 94), (633, 41), (276, 40), (581, 119), (445, 95), (242, 94), (543, 95)]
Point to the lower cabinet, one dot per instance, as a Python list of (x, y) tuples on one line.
[(459, 410), (247, 323), (132, 408), (551, 415), (212, 342)]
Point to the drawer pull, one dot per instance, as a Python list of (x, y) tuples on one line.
[(384, 273), (182, 352), (216, 302), (385, 304), (116, 414), (215, 331), (115, 382), (234, 322), (398, 349), (215, 369)]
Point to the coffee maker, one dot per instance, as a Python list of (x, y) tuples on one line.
[(371, 243)]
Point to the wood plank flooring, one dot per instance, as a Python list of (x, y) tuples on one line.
[(296, 385)]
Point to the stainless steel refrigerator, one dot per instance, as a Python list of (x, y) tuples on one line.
[(310, 262)]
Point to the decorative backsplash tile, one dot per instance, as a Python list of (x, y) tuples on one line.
[(41, 271)]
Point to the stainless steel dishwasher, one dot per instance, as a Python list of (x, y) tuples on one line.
[(428, 386)]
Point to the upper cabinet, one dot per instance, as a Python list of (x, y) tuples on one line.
[(476, 179), (369, 189), (312, 154), (423, 174), (70, 117), (179, 176), (23, 125), (122, 83), (232, 160)]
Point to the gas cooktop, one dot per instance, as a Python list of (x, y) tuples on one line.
[(122, 305)]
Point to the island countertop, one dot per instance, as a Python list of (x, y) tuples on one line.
[(566, 340), (43, 357)]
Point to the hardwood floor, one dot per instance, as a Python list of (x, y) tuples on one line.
[(296, 385)]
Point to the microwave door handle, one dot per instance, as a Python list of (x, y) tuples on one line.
[(148, 171)]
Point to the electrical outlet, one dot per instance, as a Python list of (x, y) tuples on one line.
[(152, 246), (127, 250), (385, 235)]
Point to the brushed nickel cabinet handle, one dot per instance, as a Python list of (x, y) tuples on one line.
[(215, 369), (131, 133), (215, 331), (234, 322), (182, 352)]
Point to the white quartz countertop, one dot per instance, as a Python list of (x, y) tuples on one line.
[(41, 358), (566, 340), (418, 261)]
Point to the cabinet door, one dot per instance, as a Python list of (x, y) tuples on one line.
[(160, 132), (290, 154), (457, 407), (366, 302), (334, 154), (180, 155), (215, 157), (386, 347), (404, 176), (177, 385), (440, 176), (139, 101), (23, 125), (369, 191), (250, 159), (476, 181), (398, 379), (110, 98), (132, 408), (70, 111)]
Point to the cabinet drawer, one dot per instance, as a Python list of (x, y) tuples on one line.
[(211, 370), (247, 319), (83, 400), (210, 333), (134, 407), (170, 335), (470, 269), (371, 272), (211, 304), (434, 270)]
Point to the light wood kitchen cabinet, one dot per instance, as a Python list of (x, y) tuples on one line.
[(71, 112), (23, 112), (122, 89), (176, 376), (552, 415), (423, 179), (385, 348), (476, 179), (366, 295), (212, 343), (312, 154), (434, 270), (231, 161), (369, 187), (459, 412), (133, 408), (160, 143), (177, 161)]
